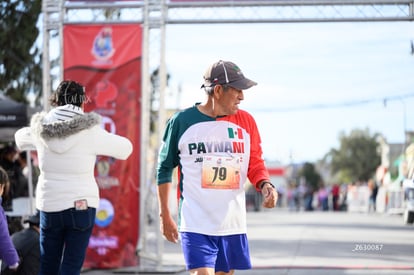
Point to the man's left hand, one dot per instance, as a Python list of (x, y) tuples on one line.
[(270, 196)]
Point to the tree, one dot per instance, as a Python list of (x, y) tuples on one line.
[(357, 158), (20, 66), (312, 178)]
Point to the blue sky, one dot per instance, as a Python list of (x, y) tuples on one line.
[(347, 68)]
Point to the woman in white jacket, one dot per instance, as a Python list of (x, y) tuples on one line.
[(68, 141)]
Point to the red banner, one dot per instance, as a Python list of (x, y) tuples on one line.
[(232, 1), (97, 1), (106, 59)]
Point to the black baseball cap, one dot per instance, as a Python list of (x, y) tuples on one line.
[(226, 73)]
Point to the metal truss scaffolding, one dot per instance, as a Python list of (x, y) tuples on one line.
[(154, 15), (288, 11)]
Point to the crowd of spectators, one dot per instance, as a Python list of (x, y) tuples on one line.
[(329, 197), (16, 166), (23, 230)]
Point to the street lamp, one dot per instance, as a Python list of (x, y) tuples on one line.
[(405, 124)]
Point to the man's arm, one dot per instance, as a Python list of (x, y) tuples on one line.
[(168, 226), (24, 140)]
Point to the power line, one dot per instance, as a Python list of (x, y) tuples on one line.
[(345, 104)]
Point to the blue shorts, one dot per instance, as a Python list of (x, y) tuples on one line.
[(223, 253)]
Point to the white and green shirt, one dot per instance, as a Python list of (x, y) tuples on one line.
[(214, 156)]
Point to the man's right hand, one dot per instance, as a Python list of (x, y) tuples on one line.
[(168, 228)]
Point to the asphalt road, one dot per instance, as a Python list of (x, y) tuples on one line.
[(299, 243)]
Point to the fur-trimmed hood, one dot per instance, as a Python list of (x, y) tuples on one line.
[(60, 136), (63, 129)]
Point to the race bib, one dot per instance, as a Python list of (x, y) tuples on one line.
[(221, 172)]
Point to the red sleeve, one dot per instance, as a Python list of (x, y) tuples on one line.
[(257, 170)]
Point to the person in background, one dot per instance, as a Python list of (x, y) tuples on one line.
[(8, 253), (335, 191), (18, 182), (67, 141), (216, 147), (18, 186), (22, 160), (323, 198), (27, 245), (373, 191)]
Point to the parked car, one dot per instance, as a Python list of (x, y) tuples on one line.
[(408, 202)]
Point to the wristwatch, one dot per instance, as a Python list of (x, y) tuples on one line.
[(263, 183)]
